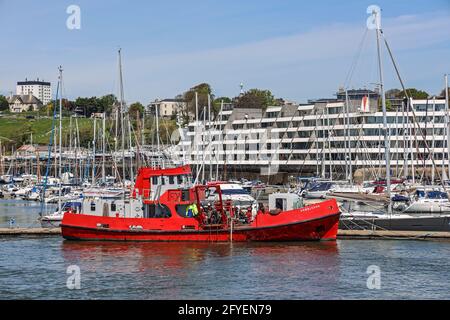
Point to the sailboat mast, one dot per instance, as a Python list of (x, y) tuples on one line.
[(349, 173), (448, 124), (94, 142), (383, 102), (60, 138), (122, 111), (209, 136), (103, 148), (157, 133), (196, 134), (218, 158)]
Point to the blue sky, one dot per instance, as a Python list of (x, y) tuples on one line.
[(298, 49)]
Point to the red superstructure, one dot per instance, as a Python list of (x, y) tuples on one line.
[(166, 216)]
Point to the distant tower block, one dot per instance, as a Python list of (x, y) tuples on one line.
[(242, 88)]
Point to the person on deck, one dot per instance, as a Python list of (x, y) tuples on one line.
[(191, 210)]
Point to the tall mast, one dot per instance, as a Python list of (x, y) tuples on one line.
[(122, 111), (448, 124), (432, 143), (209, 136), (220, 141), (377, 16), (103, 148), (196, 134), (157, 132), (60, 138), (130, 148), (203, 146), (94, 151), (142, 129), (348, 140)]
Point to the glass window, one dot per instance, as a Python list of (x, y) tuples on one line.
[(156, 211), (182, 210)]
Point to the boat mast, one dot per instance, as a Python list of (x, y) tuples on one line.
[(103, 147), (122, 111), (448, 125), (94, 151), (130, 148), (60, 138), (209, 137), (157, 133), (196, 133), (203, 145), (348, 135), (432, 142), (377, 17), (411, 141), (218, 158)]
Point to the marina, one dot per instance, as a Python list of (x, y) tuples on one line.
[(341, 192)]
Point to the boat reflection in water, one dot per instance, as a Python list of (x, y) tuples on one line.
[(197, 270)]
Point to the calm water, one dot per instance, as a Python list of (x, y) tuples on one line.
[(35, 268)]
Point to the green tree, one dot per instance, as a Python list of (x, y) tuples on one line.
[(4, 105), (388, 106), (257, 99), (414, 93), (394, 94), (203, 90), (91, 105), (106, 103), (136, 110)]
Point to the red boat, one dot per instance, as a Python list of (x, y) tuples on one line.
[(162, 207)]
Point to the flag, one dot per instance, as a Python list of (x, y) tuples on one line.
[(365, 104)]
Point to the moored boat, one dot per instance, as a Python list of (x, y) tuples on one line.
[(164, 206)]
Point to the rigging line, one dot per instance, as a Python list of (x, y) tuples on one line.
[(355, 60), (412, 109)]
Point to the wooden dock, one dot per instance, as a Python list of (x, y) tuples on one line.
[(342, 234), (29, 231), (393, 235)]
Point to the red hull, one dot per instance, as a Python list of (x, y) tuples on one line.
[(316, 222)]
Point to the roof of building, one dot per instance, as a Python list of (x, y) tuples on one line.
[(32, 148), (31, 83), (24, 98)]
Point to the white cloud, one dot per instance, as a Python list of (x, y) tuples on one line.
[(306, 65)]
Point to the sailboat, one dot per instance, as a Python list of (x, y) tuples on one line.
[(426, 213)]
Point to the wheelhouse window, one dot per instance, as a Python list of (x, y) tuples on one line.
[(156, 211), (92, 206), (182, 210)]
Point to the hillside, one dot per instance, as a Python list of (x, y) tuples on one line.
[(16, 130)]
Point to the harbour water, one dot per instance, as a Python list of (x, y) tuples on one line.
[(36, 268)]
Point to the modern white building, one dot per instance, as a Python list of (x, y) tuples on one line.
[(40, 89), (330, 138)]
